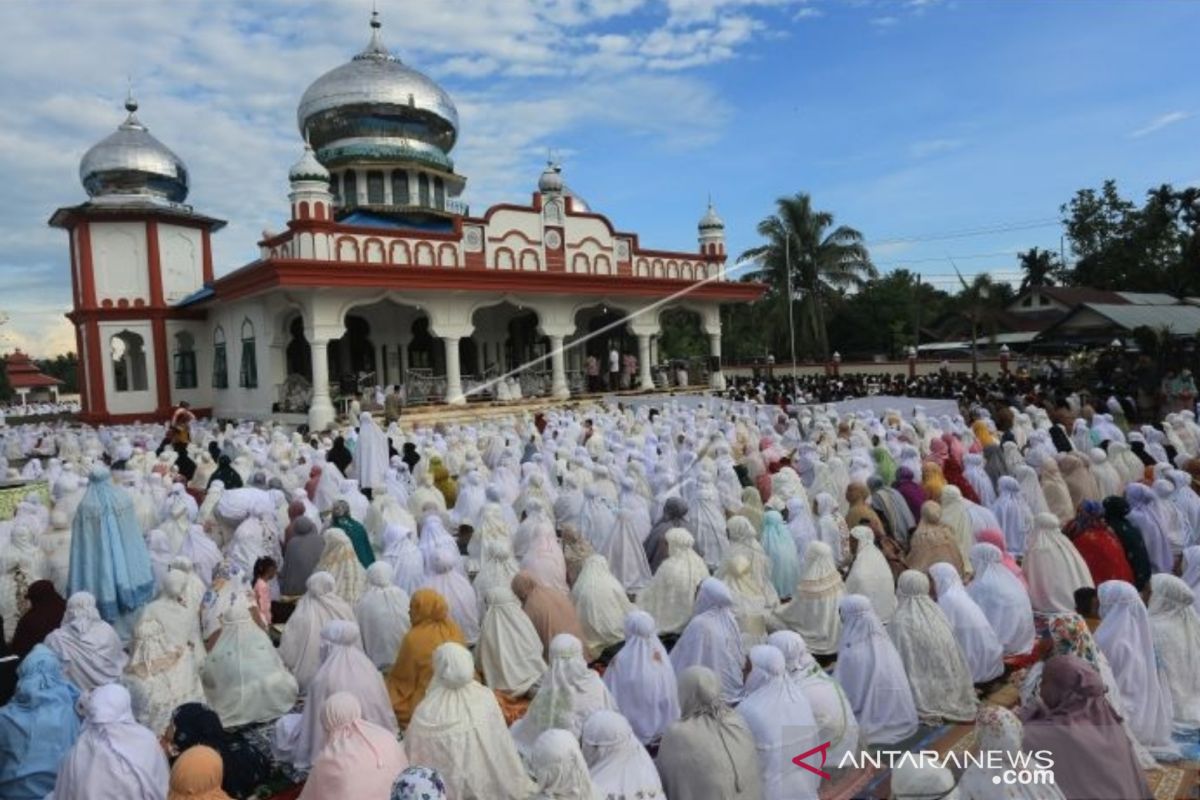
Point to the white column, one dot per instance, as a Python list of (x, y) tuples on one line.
[(644, 361), (454, 390), (480, 355), (717, 379), (653, 349), (320, 410), (558, 370)]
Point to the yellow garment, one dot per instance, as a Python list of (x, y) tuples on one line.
[(197, 775), (443, 482), (431, 628), (932, 481), (982, 434)]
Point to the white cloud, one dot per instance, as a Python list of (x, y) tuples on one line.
[(1160, 122), (219, 83)]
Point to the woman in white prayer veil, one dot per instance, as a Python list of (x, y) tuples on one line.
[(401, 552), (955, 515), (707, 523), (545, 560), (447, 579), (426, 497), (300, 644), (830, 706), (1191, 568), (568, 506), (329, 487), (202, 551), (1053, 568), (601, 603), (180, 621), (1014, 515), (802, 525), (384, 511), (470, 501), (1175, 630), (492, 527), (247, 546), (458, 730), (161, 676), (244, 678), (87, 646), (344, 667), (975, 474), (370, 454), (558, 767), (339, 560), (114, 757), (642, 679), (870, 574), (870, 671), (435, 537), (813, 610), (713, 639), (509, 653), (921, 781), (568, 693), (157, 543), (937, 671), (535, 514), (1129, 467), (1108, 480), (782, 722), (597, 517), (620, 767), (831, 529), (1055, 490), (1003, 600), (626, 556), (1032, 490), (1125, 639), (978, 642), (382, 615), (1000, 731), (743, 541)]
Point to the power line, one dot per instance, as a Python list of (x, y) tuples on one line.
[(942, 259), (969, 232)]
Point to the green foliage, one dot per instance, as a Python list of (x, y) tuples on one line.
[(1040, 268), (65, 367), (883, 316), (682, 336)]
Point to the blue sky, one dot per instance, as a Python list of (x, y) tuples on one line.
[(909, 119)]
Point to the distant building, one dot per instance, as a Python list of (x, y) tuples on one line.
[(28, 382)]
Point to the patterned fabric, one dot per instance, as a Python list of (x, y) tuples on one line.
[(419, 783), (11, 496)]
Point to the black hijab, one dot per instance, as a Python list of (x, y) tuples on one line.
[(226, 474), (245, 768), (339, 455)]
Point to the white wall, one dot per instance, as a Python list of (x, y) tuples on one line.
[(201, 396), (237, 401), (119, 261), (129, 402), (181, 255)]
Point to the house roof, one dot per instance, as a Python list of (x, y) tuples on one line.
[(23, 373), (1180, 320)]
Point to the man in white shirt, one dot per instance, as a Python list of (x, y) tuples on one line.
[(614, 369)]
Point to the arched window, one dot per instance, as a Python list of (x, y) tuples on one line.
[(350, 188), (185, 361), (400, 187), (129, 362), (220, 376), (439, 193), (375, 187), (423, 189), (248, 373)]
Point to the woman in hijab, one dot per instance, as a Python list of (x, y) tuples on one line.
[(922, 781), (642, 679), (45, 614), (782, 723), (1099, 546), (382, 615), (978, 642), (300, 644), (160, 676), (1074, 721), (672, 590), (1175, 632), (1053, 568), (109, 559), (870, 670), (509, 653), (225, 474), (813, 610), (831, 708), (780, 548), (933, 542), (619, 765), (458, 730), (445, 577), (338, 559), (544, 559), (976, 474), (743, 542), (601, 605), (710, 752), (37, 727), (1055, 490), (339, 455), (567, 694), (1124, 637), (1081, 484), (230, 588), (995, 537), (550, 610), (1013, 514), (858, 497), (1147, 516), (88, 647), (1116, 513), (301, 553), (114, 757), (410, 675), (354, 531), (932, 481), (419, 783), (713, 639), (244, 677), (831, 529), (1000, 731), (559, 769), (360, 758), (937, 671), (870, 574), (197, 775), (1002, 599), (194, 725), (400, 551)]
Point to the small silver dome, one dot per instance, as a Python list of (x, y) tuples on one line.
[(377, 108), (551, 178), (131, 162), (308, 168), (710, 221)]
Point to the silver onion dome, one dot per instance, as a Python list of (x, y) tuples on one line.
[(551, 179), (710, 221), (377, 108), (308, 168), (132, 163)]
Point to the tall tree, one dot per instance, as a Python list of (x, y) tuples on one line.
[(1040, 268), (823, 260)]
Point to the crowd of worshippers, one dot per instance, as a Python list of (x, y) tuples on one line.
[(598, 602)]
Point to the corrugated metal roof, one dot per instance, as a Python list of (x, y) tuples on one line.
[(1180, 319), (1149, 298)]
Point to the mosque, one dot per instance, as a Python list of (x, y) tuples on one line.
[(382, 273)]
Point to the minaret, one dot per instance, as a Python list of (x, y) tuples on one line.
[(712, 232), (310, 196)]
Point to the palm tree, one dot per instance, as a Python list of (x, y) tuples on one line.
[(822, 262), (977, 304), (1041, 267)]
